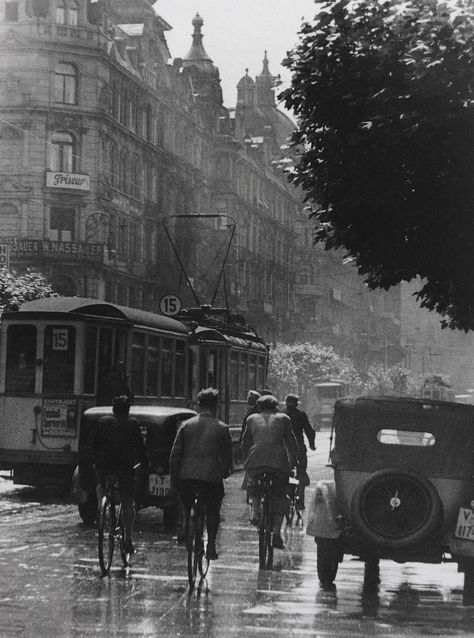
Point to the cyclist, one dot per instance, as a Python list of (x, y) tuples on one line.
[(117, 444), (269, 445), (300, 425), (201, 458)]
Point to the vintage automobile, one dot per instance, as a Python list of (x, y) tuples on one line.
[(403, 486), (158, 425)]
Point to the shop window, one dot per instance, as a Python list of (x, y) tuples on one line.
[(11, 11), (63, 152), (65, 88)]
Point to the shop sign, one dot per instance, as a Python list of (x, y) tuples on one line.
[(74, 181), (76, 250), (59, 417)]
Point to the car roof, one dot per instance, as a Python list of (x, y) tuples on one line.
[(157, 411)]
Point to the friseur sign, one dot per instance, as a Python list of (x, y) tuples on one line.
[(77, 250), (75, 181)]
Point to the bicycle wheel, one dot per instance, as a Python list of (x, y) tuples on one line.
[(106, 538), (265, 549), (203, 563), (193, 552), (125, 555)]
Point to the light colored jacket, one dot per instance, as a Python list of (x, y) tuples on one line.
[(202, 451), (269, 442)]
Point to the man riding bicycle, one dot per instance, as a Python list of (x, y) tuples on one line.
[(117, 444), (201, 458), (268, 445), (300, 425)]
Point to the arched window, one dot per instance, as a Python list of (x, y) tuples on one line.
[(73, 14), (63, 152), (65, 87), (61, 12)]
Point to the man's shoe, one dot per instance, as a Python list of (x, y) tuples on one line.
[(211, 553), (128, 548), (277, 541)]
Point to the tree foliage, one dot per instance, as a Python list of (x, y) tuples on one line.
[(296, 367), (17, 288), (384, 95), (390, 380)]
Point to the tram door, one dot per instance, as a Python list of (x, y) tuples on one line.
[(213, 373)]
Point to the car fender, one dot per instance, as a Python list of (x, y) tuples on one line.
[(323, 511)]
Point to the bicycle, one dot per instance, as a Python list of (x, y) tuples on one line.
[(265, 522), (295, 505), (195, 526), (110, 526)]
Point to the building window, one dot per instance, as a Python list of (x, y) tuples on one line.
[(67, 13), (9, 220), (11, 11), (62, 152), (65, 89), (61, 12), (73, 14), (61, 223)]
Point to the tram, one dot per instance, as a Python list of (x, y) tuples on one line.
[(437, 389), (54, 352)]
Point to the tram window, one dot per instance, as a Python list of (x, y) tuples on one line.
[(212, 370), (59, 357), (167, 368), (260, 374), (105, 351), (234, 376), (152, 366), (253, 372), (179, 370), (89, 360), (243, 376), (21, 358), (138, 363)]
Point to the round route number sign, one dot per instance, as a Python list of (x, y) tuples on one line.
[(170, 305)]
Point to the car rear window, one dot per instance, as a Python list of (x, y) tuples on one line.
[(406, 437)]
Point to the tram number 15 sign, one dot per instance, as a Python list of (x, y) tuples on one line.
[(170, 305)]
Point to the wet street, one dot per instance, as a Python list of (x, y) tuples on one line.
[(50, 583)]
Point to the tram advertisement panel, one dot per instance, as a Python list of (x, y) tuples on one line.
[(59, 417)]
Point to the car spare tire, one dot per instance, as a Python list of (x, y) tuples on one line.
[(395, 509)]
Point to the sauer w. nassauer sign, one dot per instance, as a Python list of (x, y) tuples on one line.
[(75, 181), (67, 249)]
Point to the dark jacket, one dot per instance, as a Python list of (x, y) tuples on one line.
[(117, 444), (202, 451), (300, 423)]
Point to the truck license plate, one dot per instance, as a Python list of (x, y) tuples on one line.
[(465, 524), (159, 485)]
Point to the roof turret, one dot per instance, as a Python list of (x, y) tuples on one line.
[(197, 56)]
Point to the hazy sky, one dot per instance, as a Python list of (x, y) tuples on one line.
[(236, 33)]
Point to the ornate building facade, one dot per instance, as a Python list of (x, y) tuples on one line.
[(113, 154)]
